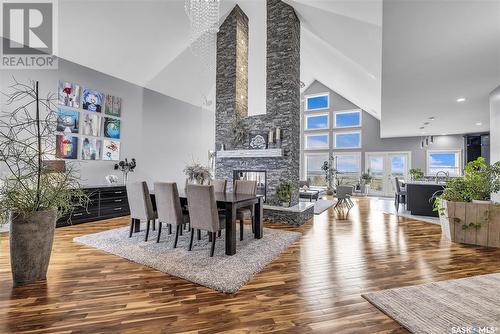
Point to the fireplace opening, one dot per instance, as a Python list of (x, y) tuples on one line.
[(253, 175)]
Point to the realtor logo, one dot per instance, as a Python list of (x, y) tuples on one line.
[(28, 34)]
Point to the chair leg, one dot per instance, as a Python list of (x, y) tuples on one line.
[(219, 234), (169, 228), (209, 236), (241, 229), (131, 228), (191, 240), (147, 229), (154, 224), (181, 228), (159, 232), (396, 203), (214, 237), (177, 229), (253, 224), (198, 232)]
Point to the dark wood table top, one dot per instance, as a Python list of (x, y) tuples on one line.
[(226, 197)]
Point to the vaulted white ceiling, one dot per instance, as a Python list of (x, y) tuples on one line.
[(435, 52), (147, 43)]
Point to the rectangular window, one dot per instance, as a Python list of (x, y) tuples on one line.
[(317, 102), (446, 161), (317, 141), (314, 174), (348, 119), (348, 139), (314, 122), (348, 166)]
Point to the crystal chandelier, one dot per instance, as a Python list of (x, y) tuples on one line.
[(204, 20)]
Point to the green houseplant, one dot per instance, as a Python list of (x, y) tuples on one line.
[(330, 174), (284, 193), (32, 194), (416, 174), (197, 173), (464, 205)]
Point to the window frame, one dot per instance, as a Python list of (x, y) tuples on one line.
[(353, 153), (335, 126), (456, 151), (306, 97), (306, 155), (344, 133), (319, 133), (327, 114)]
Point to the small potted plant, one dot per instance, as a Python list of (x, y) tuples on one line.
[(366, 180), (416, 174), (284, 193), (197, 173)]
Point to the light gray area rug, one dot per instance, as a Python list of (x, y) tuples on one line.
[(221, 272), (443, 307)]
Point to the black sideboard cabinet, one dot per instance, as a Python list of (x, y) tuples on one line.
[(105, 202)]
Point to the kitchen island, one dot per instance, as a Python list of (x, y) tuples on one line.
[(419, 197)]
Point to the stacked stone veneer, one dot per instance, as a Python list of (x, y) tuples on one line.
[(282, 89)]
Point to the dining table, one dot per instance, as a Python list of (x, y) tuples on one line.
[(228, 203)]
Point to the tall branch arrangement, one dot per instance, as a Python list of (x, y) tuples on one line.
[(27, 138)]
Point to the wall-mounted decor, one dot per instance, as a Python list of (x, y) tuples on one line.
[(258, 141), (117, 106), (66, 147), (67, 120), (113, 106), (90, 124), (108, 104), (69, 94), (111, 150), (90, 148), (92, 100), (111, 128)]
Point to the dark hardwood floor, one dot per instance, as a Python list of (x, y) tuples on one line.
[(314, 286)]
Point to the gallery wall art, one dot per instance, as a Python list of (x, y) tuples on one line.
[(111, 150), (111, 128), (90, 148), (67, 120), (69, 94), (66, 147), (88, 123), (92, 100)]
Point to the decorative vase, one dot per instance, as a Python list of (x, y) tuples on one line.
[(31, 239)]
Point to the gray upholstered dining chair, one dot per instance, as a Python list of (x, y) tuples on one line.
[(343, 195), (219, 185), (141, 206), (203, 213), (399, 194), (168, 207), (245, 187)]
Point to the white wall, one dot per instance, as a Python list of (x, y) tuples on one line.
[(495, 130), (159, 131)]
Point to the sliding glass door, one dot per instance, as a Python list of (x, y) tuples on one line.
[(384, 167)]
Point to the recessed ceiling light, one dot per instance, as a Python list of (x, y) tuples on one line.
[(479, 123), (422, 127), (461, 99), (426, 123), (432, 118)]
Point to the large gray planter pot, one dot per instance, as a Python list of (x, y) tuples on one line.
[(31, 239)]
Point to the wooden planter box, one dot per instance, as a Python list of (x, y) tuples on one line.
[(482, 223)]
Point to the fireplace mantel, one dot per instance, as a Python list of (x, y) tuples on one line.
[(267, 153)]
